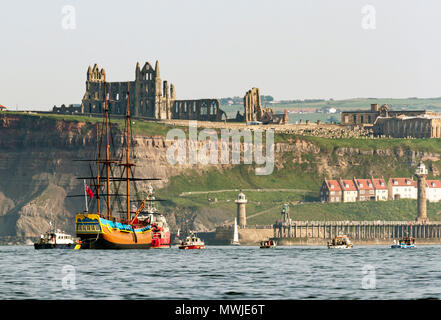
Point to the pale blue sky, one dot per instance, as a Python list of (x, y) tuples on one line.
[(217, 48)]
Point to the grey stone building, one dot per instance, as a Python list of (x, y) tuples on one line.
[(149, 97)]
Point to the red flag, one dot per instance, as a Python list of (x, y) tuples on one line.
[(89, 192)]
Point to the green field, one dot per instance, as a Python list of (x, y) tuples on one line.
[(396, 210)]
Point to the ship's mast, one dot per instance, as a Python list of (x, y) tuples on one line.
[(97, 171), (106, 112), (127, 164)]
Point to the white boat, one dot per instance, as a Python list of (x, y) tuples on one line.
[(235, 241), (56, 239), (340, 242), (192, 242)]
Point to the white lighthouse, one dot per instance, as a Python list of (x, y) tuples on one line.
[(241, 209)]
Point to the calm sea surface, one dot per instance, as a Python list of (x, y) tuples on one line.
[(364, 272)]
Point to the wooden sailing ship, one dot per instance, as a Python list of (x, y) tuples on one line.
[(117, 226)]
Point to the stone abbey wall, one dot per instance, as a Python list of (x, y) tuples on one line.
[(202, 109)]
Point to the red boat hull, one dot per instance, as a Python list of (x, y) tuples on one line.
[(161, 240), (192, 247)]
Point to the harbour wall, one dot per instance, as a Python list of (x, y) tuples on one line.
[(324, 242), (360, 232), (318, 233)]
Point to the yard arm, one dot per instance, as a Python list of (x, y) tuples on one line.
[(141, 207)]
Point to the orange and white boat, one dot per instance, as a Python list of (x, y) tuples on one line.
[(192, 242)]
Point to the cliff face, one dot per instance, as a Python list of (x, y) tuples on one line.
[(37, 170)]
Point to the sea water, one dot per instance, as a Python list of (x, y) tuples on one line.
[(221, 272)]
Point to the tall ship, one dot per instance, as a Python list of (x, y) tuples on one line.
[(117, 219)]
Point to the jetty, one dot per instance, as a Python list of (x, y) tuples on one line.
[(360, 231)]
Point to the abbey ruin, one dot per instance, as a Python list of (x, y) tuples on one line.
[(154, 99), (150, 97), (254, 112)]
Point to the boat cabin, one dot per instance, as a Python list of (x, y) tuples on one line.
[(340, 240), (407, 241), (57, 237)]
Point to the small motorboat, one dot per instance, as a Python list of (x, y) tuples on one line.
[(340, 242), (404, 243), (56, 239), (268, 244), (192, 242)]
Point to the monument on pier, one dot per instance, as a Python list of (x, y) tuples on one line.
[(421, 173), (241, 209)]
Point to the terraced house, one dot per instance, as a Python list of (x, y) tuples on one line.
[(353, 190), (349, 190), (331, 191)]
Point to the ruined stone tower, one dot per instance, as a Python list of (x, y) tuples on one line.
[(149, 96), (241, 210), (421, 173)]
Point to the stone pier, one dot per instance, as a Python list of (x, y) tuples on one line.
[(357, 230)]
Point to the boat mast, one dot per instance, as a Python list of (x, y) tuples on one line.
[(106, 112), (97, 171), (127, 164)]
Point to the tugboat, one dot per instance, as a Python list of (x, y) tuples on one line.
[(235, 241), (56, 239), (192, 242), (268, 244), (404, 243), (160, 229), (340, 242)]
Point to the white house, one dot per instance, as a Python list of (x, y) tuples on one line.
[(381, 192), (433, 190), (349, 191), (402, 188)]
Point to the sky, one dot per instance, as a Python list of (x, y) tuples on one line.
[(301, 49)]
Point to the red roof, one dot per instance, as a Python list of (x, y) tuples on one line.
[(333, 185), (379, 183), (433, 183), (348, 185), (2, 106), (402, 182), (364, 184)]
